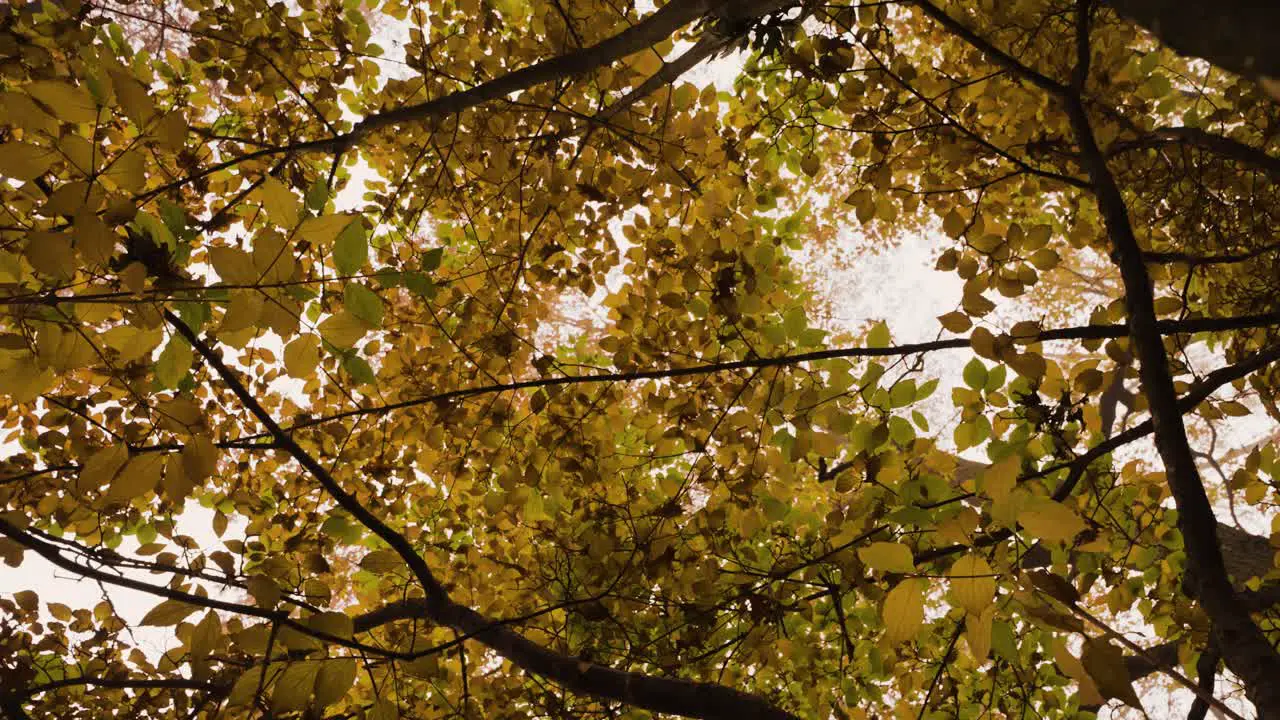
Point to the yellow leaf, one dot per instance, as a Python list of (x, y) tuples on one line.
[(137, 478), (977, 633), (234, 266), (956, 321), (1028, 364), (133, 98), (242, 692), (264, 590), (134, 277), (27, 600), (69, 103), (50, 253), (380, 562), (999, 480), (972, 584), (168, 612), (101, 467), (94, 241), (1071, 667), (903, 610), (22, 378), (244, 310), (301, 356), (132, 343), (60, 612), (343, 330), (279, 202), (337, 624), (63, 349), (1045, 259), (1105, 665), (887, 557), (272, 259), (293, 688), (199, 458), (175, 483), (172, 130), (24, 161), (323, 231), (983, 343), (204, 639), (1050, 520), (180, 414), (810, 165), (129, 170), (20, 110), (334, 680)]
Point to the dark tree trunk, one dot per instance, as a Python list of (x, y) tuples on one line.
[(1236, 35)]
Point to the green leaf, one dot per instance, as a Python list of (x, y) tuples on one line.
[(902, 393), (1003, 641), (420, 284), (337, 624), (1105, 665), (975, 374), (156, 229), (879, 336), (351, 251), (431, 259), (173, 363), (317, 196), (900, 431), (358, 369), (363, 303), (334, 680), (794, 322), (292, 689)]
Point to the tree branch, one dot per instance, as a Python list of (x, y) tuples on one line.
[(1198, 137), (1086, 332), (1245, 649), (664, 695)]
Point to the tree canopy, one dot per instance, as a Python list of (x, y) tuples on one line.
[(467, 358)]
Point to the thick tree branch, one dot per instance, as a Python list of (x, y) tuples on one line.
[(1245, 649), (664, 695), (1238, 35), (1086, 332), (1219, 145), (646, 33), (996, 55)]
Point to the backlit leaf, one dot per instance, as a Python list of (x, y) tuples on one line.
[(903, 611), (281, 205), (887, 557), (973, 586)]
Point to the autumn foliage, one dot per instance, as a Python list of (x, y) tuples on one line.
[(469, 358)]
